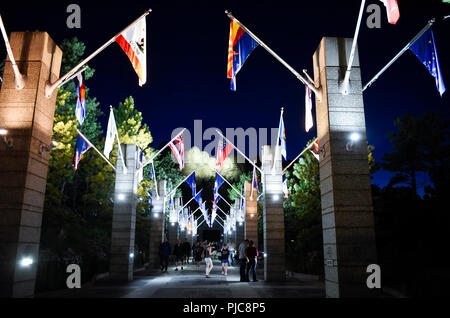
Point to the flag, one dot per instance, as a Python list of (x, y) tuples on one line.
[(153, 174), (141, 166), (177, 147), (392, 10), (133, 43), (219, 181), (314, 148), (240, 45), (198, 197), (285, 188), (425, 49), (83, 145), (282, 137), (80, 110), (191, 181), (111, 132), (223, 150), (308, 109)]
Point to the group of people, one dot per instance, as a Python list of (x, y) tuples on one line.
[(247, 254)]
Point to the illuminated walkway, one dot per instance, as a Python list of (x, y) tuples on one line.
[(191, 283)]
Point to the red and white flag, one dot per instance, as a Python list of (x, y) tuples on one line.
[(314, 148), (133, 43), (392, 10), (177, 147), (223, 150)]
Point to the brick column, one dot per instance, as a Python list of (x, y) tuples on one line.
[(124, 216), (157, 224), (347, 213), (273, 217), (27, 115), (251, 214)]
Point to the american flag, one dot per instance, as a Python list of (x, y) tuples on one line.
[(223, 150), (177, 147)]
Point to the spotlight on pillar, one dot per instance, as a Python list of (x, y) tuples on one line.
[(155, 215), (43, 147), (173, 223), (354, 137), (265, 254), (121, 196), (6, 140), (276, 197), (26, 261), (131, 255), (240, 223), (251, 215)]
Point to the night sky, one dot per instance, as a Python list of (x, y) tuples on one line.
[(187, 54)]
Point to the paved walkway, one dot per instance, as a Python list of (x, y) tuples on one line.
[(190, 283)]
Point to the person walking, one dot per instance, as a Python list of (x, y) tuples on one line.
[(232, 249), (224, 257), (178, 252), (164, 252), (197, 254), (251, 253), (186, 247), (208, 260), (243, 260)]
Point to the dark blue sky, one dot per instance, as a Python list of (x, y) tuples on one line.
[(187, 54)]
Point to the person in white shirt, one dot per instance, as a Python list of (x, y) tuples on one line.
[(232, 249)]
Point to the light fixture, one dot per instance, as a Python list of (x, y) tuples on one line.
[(26, 261), (173, 223), (354, 137), (240, 223), (251, 215), (43, 147), (6, 140), (131, 255), (276, 197), (121, 196), (155, 215), (265, 254)]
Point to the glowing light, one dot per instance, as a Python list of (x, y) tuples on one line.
[(3, 132), (354, 137), (155, 215), (276, 197), (121, 196), (240, 223), (26, 261), (172, 223), (131, 255), (251, 215)]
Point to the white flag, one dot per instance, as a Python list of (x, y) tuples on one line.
[(308, 109), (133, 43), (111, 132)]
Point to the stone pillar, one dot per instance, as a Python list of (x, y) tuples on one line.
[(124, 216), (173, 226), (347, 213), (157, 224), (273, 217), (27, 115), (251, 214), (240, 227)]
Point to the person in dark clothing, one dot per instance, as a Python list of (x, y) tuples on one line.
[(178, 252), (164, 252), (197, 254), (251, 253), (243, 260), (186, 247)]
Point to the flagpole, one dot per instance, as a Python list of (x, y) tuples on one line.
[(418, 35), (19, 78), (97, 150), (118, 141), (181, 183), (84, 68), (229, 184), (268, 49), (253, 180), (221, 210), (151, 159), (156, 182), (301, 153), (224, 200), (352, 52), (50, 87), (237, 149), (276, 145), (190, 200)]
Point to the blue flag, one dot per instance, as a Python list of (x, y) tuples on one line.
[(83, 145), (198, 196), (425, 49), (80, 110), (191, 181)]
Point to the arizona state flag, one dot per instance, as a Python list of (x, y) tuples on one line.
[(240, 45), (133, 43)]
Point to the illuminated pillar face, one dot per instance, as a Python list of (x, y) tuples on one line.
[(157, 226), (27, 116), (251, 214), (347, 216)]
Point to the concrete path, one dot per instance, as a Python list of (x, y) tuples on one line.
[(191, 283)]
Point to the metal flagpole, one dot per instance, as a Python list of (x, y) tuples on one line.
[(51, 87), (84, 68), (190, 200), (276, 145), (19, 79), (230, 184), (429, 24), (224, 200), (222, 211), (237, 149), (352, 52), (253, 180), (301, 153), (180, 183), (268, 49), (97, 150), (151, 159), (259, 196), (156, 182), (201, 222)]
